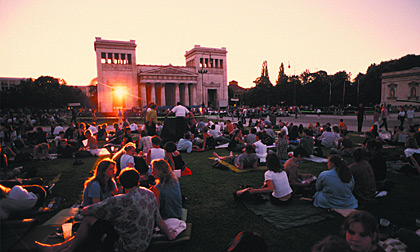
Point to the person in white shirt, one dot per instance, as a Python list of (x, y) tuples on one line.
[(93, 128), (275, 182), (57, 130), (410, 115), (180, 122), (134, 127)]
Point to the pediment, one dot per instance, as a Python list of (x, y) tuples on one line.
[(168, 70)]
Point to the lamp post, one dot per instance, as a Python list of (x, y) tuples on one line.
[(204, 71)]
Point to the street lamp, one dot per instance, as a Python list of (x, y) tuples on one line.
[(204, 71)]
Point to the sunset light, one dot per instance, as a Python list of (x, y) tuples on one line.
[(315, 35)]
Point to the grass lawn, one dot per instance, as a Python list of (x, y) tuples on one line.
[(217, 218)]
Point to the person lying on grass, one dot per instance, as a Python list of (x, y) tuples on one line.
[(275, 182), (133, 216), (248, 159), (167, 190)]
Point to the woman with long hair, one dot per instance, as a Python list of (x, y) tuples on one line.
[(334, 187), (102, 184), (167, 190)]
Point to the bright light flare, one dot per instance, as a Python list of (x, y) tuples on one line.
[(119, 92)]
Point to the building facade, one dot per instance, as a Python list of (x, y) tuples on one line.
[(8, 83), (122, 83), (401, 87)]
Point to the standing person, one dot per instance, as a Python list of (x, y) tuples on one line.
[(376, 113), (119, 117), (133, 216), (151, 120), (410, 115), (180, 122), (401, 116), (94, 118), (318, 111), (360, 111), (73, 116), (384, 117)]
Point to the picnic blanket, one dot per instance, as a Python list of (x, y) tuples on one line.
[(297, 213), (317, 159), (224, 146), (235, 169)]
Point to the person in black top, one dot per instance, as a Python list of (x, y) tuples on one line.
[(360, 115), (377, 161)]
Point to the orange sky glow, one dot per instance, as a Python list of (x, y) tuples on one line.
[(55, 37)]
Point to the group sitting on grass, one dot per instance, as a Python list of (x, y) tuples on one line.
[(153, 162)]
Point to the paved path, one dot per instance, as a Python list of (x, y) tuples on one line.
[(350, 120)]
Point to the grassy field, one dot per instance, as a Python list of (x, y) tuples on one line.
[(217, 218)]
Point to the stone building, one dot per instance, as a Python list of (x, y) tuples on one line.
[(122, 83), (401, 87), (7, 83)]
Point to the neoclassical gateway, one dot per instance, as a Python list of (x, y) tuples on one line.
[(401, 87), (124, 84)]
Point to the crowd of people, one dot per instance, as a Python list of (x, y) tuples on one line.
[(150, 155)]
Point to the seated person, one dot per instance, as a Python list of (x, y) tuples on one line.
[(217, 135), (133, 216), (167, 190), (41, 151), (282, 145), (92, 143), (364, 178), (102, 134), (398, 137), (294, 133), (65, 150), (344, 145), (158, 153), (260, 148), (185, 144), (334, 187), (298, 181), (20, 199), (144, 143), (275, 183), (208, 141), (307, 142), (377, 161), (248, 159), (179, 163), (412, 153), (236, 142), (269, 131), (102, 184), (342, 126), (327, 138), (361, 232), (251, 137)]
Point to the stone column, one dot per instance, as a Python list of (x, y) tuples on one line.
[(186, 95), (195, 98), (152, 92), (162, 94), (177, 98), (143, 94)]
